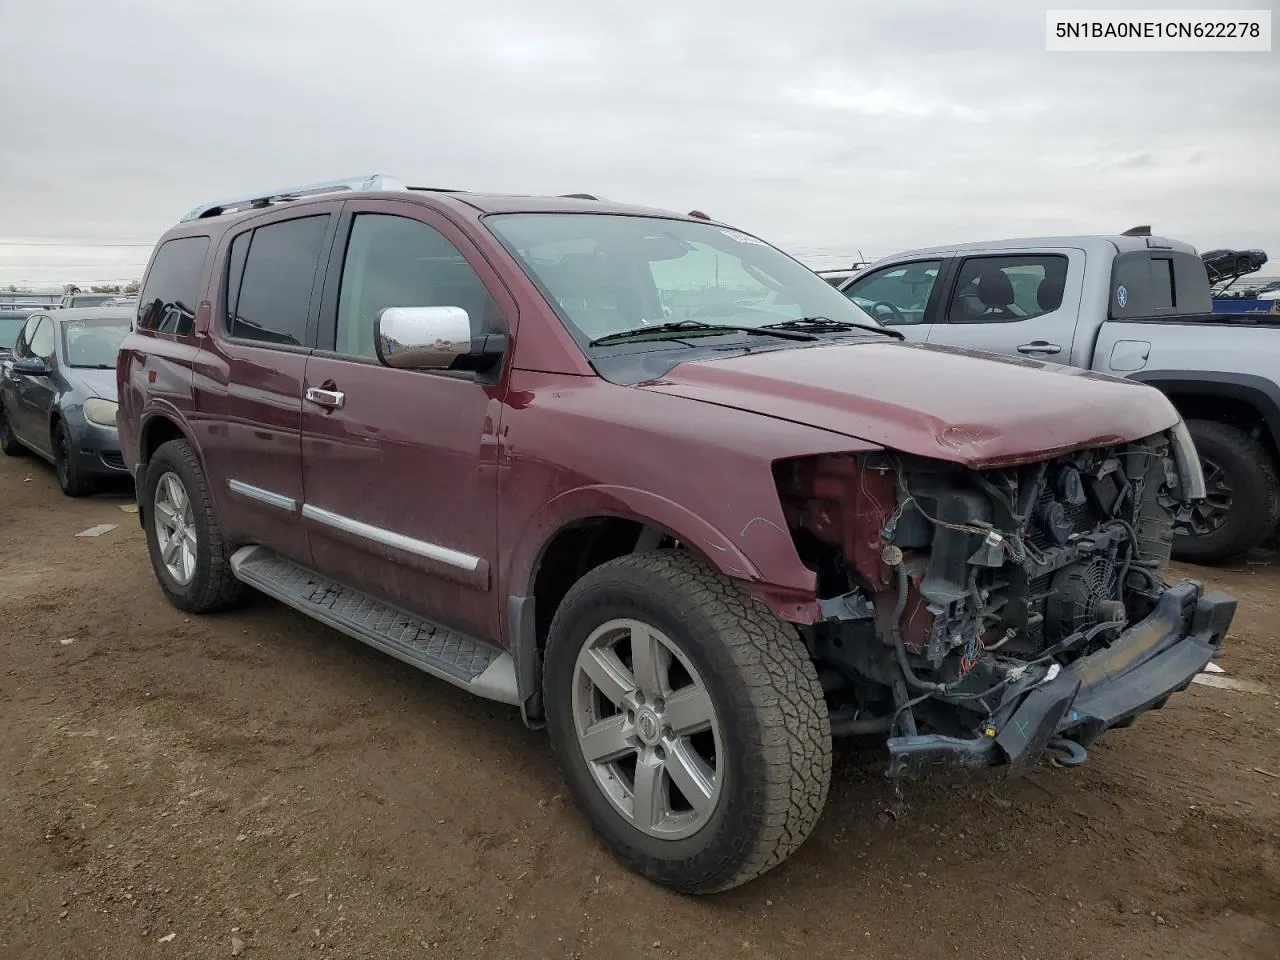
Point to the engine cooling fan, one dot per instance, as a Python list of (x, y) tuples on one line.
[(1080, 596)]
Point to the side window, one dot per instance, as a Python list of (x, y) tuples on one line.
[(21, 346), (1007, 289), (394, 261), (896, 295), (1142, 286), (42, 343), (167, 303), (270, 279)]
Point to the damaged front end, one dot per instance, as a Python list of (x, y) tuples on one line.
[(982, 617)]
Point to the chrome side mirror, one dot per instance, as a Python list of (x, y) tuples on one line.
[(422, 338)]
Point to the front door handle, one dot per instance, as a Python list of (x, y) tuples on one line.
[(1040, 346), (332, 399)]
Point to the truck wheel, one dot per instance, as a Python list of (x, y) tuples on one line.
[(689, 721), (1243, 502), (188, 554), (8, 442), (72, 483)]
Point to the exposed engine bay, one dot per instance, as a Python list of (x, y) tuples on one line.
[(948, 593)]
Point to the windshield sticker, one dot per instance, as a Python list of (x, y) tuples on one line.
[(742, 237), (1122, 296)]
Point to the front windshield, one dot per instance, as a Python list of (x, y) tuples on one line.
[(94, 343), (608, 273), (10, 327), (90, 300)]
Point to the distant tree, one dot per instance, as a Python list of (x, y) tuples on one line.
[(105, 288), (12, 288), (132, 286), (70, 288)]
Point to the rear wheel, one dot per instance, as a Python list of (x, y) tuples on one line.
[(8, 442), (188, 553), (1242, 504), (70, 479), (689, 721)]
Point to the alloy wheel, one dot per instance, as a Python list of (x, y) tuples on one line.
[(647, 729), (175, 528)]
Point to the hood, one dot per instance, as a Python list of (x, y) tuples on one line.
[(99, 383), (971, 408)]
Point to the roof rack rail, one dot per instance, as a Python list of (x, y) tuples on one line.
[(374, 181)]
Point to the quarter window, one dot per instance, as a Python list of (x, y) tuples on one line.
[(394, 261), (1007, 289), (896, 295), (271, 276), (167, 303)]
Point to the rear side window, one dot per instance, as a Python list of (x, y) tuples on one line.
[(1008, 289), (271, 275), (167, 303)]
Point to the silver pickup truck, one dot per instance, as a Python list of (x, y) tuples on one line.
[(1135, 307)]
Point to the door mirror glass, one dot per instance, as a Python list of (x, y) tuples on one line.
[(32, 366), (422, 338)]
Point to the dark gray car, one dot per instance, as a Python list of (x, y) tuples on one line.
[(58, 394), (11, 321)]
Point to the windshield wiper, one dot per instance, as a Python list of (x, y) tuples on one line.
[(672, 330), (826, 323)]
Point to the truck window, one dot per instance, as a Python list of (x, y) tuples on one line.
[(896, 295), (397, 262), (1158, 284), (1007, 289), (167, 303), (270, 280)]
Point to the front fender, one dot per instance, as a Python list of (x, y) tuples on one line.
[(761, 554)]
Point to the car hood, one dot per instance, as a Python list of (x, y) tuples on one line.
[(950, 404), (98, 383)]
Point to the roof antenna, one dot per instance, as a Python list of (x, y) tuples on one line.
[(1143, 231)]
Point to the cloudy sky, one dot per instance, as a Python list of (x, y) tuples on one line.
[(827, 126)]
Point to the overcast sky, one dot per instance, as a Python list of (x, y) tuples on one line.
[(827, 126)]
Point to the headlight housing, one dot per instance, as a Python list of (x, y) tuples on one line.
[(101, 412), (1190, 473)]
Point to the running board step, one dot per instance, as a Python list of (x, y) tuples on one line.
[(471, 664)]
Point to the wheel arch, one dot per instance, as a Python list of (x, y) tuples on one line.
[(578, 531), (1241, 399)]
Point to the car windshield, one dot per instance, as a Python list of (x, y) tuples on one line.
[(10, 327), (90, 300), (93, 343), (608, 274)]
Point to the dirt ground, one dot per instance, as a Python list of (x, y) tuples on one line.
[(255, 784)]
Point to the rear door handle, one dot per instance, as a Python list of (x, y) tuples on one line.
[(1040, 346), (331, 399)]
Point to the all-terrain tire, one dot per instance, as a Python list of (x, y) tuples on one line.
[(8, 442), (1255, 494), (213, 586), (71, 481), (776, 750)]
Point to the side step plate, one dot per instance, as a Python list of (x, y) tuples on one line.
[(470, 664)]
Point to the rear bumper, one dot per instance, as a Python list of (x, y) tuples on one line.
[(1149, 662)]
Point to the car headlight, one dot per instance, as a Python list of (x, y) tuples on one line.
[(101, 412)]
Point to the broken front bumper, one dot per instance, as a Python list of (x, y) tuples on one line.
[(1150, 661)]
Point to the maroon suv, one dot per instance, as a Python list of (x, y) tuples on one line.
[(661, 487)]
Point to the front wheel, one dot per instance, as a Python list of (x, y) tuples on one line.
[(70, 479), (188, 553), (689, 721), (8, 441)]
